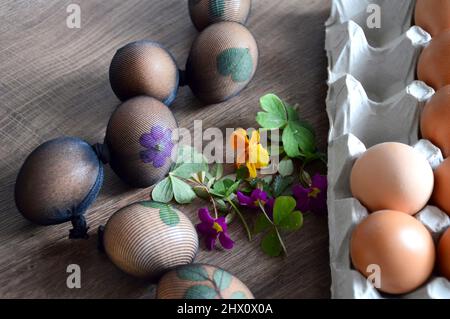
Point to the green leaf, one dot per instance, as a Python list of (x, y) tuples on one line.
[(274, 105), (298, 140), (292, 113), (167, 213), (280, 184), (221, 186), (292, 222), (188, 169), (261, 224), (269, 120), (217, 171), (163, 191), (237, 63), (271, 245), (201, 192), (232, 189), (242, 173), (222, 279), (238, 295), (189, 155), (221, 206), (216, 8), (192, 273), (182, 191), (286, 167), (200, 292), (283, 207)]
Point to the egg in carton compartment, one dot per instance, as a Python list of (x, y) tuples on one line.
[(345, 212)]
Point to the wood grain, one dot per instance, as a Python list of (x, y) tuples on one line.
[(54, 82)]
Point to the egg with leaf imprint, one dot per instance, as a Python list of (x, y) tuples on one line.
[(206, 12), (144, 68), (198, 281), (222, 61), (146, 239), (140, 139), (57, 183)]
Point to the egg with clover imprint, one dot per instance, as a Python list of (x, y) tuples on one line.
[(58, 181), (433, 67), (222, 61), (146, 239), (144, 68), (206, 12), (198, 281), (392, 176), (140, 139), (441, 192), (396, 247), (435, 120), (433, 15)]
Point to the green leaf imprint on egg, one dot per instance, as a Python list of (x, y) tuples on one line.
[(222, 279), (238, 295), (237, 63), (168, 215), (216, 8), (192, 273), (200, 292)]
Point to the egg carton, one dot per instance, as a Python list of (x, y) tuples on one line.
[(372, 98)]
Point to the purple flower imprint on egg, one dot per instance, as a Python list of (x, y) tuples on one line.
[(158, 144)]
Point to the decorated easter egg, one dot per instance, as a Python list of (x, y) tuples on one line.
[(140, 141), (392, 176), (198, 281), (148, 238), (435, 120), (206, 12), (57, 183), (444, 254), (144, 68), (433, 67), (222, 61), (441, 192), (433, 15), (395, 249)]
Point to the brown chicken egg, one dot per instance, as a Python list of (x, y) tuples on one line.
[(57, 183), (140, 140), (197, 281), (434, 62), (206, 12), (392, 176), (222, 61), (441, 193), (144, 68), (433, 15), (396, 247), (435, 120), (148, 238), (444, 254)]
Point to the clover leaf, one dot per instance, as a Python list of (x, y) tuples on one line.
[(237, 63)]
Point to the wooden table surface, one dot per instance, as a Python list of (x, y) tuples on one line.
[(54, 82)]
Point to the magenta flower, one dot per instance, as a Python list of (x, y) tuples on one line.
[(313, 198), (158, 144), (213, 229), (257, 196)]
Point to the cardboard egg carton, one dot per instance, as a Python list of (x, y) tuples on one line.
[(372, 98)]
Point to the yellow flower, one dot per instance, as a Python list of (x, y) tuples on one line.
[(249, 151)]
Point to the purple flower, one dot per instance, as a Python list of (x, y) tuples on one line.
[(213, 229), (257, 196), (158, 144), (313, 198)]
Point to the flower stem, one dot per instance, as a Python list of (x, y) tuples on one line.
[(247, 229), (276, 229)]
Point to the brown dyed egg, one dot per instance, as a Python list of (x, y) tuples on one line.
[(148, 238), (222, 61), (433, 15), (392, 176), (197, 281), (435, 120), (57, 183), (434, 62), (444, 254), (441, 193), (144, 68), (396, 245), (206, 12), (140, 140)]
